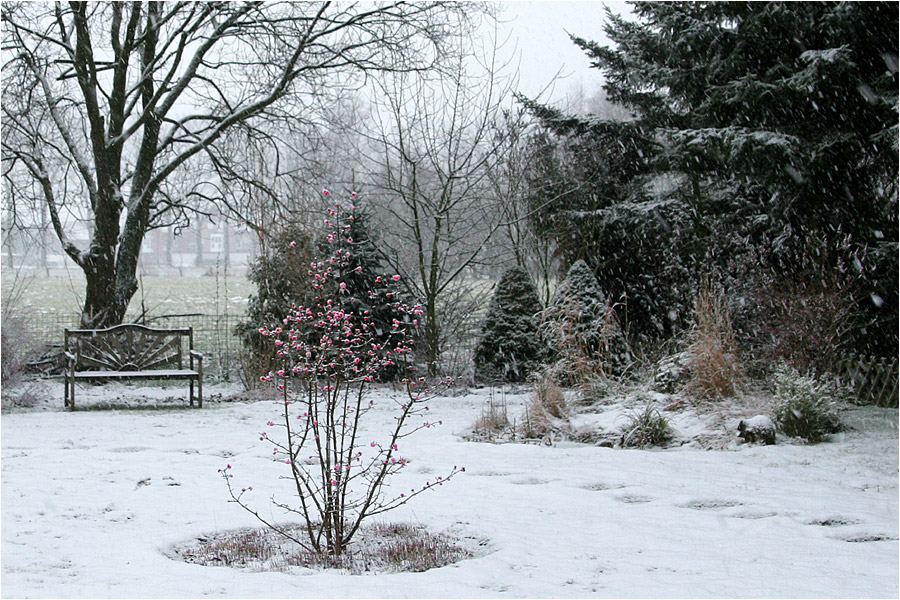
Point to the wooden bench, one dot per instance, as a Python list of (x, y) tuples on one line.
[(131, 352)]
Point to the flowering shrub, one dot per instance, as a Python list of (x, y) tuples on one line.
[(279, 273), (331, 356)]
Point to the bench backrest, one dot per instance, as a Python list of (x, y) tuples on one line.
[(128, 348)]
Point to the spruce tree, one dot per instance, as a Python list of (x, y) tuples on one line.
[(365, 290), (509, 348), (280, 275), (581, 327), (773, 121)]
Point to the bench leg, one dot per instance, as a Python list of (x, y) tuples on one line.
[(200, 391), (70, 393), (191, 393)]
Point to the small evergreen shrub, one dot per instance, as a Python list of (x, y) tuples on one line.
[(581, 329), (803, 407), (509, 349), (645, 428)]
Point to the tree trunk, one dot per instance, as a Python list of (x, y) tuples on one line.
[(432, 337)]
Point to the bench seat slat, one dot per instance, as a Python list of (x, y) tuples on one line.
[(155, 374)]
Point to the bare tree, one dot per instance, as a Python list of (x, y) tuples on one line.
[(115, 97), (433, 191), (509, 180)]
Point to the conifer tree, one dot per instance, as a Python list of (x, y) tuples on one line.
[(775, 122), (362, 292), (280, 275), (581, 327), (509, 348)]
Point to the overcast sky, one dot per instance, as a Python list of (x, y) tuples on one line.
[(539, 40)]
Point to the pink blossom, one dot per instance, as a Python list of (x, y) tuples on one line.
[(325, 192), (396, 278)]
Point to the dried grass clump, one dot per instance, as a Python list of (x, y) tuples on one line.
[(494, 419), (547, 404), (715, 369), (15, 338)]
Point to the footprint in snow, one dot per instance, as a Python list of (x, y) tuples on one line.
[(754, 514), (834, 521), (600, 486), (711, 504), (633, 499), (130, 449), (867, 537)]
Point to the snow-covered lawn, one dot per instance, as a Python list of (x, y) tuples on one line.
[(93, 501)]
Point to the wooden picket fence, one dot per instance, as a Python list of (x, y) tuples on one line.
[(869, 380)]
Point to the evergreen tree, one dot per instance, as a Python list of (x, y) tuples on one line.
[(581, 327), (280, 275), (775, 121), (365, 291), (509, 348)]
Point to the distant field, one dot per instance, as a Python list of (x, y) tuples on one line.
[(58, 297), (216, 305)]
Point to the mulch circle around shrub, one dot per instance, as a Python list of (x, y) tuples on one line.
[(376, 548)]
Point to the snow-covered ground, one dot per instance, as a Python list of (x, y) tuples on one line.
[(93, 502)]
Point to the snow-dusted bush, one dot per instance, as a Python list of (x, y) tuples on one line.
[(807, 319), (803, 407), (13, 337), (279, 273), (509, 349), (714, 368), (329, 359), (582, 330), (647, 427), (672, 372)]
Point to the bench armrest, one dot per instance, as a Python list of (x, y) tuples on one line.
[(199, 356), (70, 357)]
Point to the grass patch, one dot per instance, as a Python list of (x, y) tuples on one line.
[(646, 428)]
